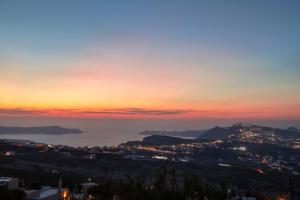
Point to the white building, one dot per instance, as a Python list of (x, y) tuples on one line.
[(86, 186), (9, 182), (48, 193)]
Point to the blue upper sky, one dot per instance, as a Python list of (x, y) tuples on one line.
[(268, 29), (226, 47)]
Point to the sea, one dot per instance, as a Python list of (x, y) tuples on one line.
[(112, 132)]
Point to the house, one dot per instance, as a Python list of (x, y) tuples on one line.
[(48, 193), (9, 182), (86, 186)]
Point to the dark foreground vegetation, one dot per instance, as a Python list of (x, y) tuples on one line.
[(6, 194), (164, 185)]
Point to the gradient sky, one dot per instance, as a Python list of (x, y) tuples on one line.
[(150, 59)]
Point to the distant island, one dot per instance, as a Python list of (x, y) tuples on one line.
[(217, 133), (183, 134), (57, 130)]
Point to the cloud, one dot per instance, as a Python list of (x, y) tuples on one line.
[(126, 112), (19, 111), (104, 112), (138, 111)]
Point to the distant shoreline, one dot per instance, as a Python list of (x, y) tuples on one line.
[(50, 130)]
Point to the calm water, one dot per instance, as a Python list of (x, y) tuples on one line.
[(110, 132)]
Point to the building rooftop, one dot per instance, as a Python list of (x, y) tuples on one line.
[(6, 179), (89, 184), (48, 192), (41, 194)]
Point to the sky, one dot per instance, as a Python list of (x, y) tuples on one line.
[(150, 59)]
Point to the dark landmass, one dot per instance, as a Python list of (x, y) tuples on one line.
[(216, 133), (294, 129), (39, 130), (187, 133), (154, 140), (220, 132), (245, 158), (239, 128), (234, 132)]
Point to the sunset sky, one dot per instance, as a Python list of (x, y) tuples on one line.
[(150, 59)]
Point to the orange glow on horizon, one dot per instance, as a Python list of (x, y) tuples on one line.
[(128, 85), (151, 113)]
